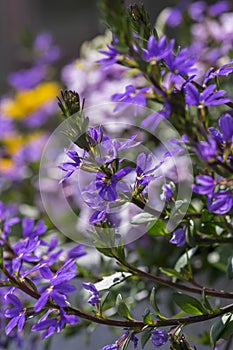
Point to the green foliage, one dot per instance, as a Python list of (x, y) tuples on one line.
[(122, 308), (230, 267), (222, 328), (189, 304), (145, 338), (139, 20), (158, 229)]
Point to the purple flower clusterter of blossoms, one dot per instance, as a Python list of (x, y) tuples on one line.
[(70, 167), (157, 49), (130, 96), (158, 338), (17, 313), (208, 97), (55, 324), (111, 57), (181, 63), (178, 238), (220, 202), (107, 185), (120, 341), (205, 184), (94, 298), (144, 169), (59, 286), (167, 193)]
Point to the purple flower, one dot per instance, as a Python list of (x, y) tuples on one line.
[(220, 202), (98, 216), (59, 288), (130, 96), (226, 125), (224, 70), (143, 169), (94, 296), (27, 78), (218, 8), (207, 149), (157, 49), (30, 231), (76, 252), (205, 185), (54, 324), (107, 184), (154, 119), (46, 52), (181, 63), (124, 336), (196, 10), (167, 193), (17, 314), (6, 220), (206, 98), (110, 347), (111, 57), (159, 338), (178, 237), (70, 167), (23, 252)]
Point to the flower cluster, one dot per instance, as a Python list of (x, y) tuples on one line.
[(154, 163)]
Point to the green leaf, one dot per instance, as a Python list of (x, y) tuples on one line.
[(105, 251), (189, 304), (190, 234), (122, 308), (121, 250), (145, 337), (154, 305), (174, 273), (139, 20), (230, 267), (222, 328), (126, 343), (184, 259), (206, 216), (158, 229), (142, 218), (31, 284), (147, 317)]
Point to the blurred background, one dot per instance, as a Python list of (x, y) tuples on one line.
[(70, 22)]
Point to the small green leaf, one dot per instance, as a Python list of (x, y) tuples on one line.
[(190, 234), (105, 251), (189, 304), (154, 305), (122, 308), (173, 273), (126, 343), (145, 337), (147, 317), (184, 259), (230, 267), (158, 229), (142, 218), (31, 284), (121, 251), (222, 328)]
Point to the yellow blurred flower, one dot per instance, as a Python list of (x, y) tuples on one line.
[(28, 101)]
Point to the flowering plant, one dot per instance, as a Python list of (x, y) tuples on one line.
[(142, 185)]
